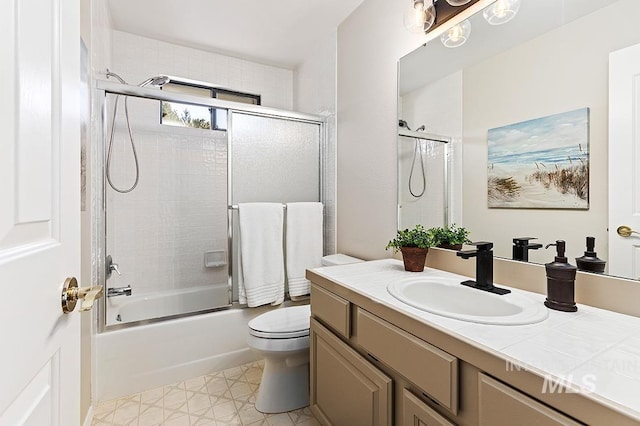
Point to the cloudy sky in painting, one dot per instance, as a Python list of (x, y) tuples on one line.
[(565, 130)]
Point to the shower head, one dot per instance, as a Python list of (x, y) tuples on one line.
[(157, 81)]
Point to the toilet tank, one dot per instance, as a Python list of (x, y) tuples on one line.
[(339, 259)]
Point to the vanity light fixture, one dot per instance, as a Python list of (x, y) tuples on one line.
[(457, 35), (419, 16), (458, 2), (501, 11)]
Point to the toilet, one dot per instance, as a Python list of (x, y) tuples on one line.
[(281, 337)]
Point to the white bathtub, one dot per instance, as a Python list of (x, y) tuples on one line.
[(144, 357), (124, 309)]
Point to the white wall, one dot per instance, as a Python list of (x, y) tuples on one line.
[(560, 71), (314, 91), (137, 58), (370, 42)]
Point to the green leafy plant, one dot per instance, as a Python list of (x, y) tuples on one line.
[(416, 237), (451, 235)]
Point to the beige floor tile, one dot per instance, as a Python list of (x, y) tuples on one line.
[(240, 389), (198, 402), (202, 417), (151, 417), (230, 420), (281, 419), (126, 414), (249, 415), (223, 398), (224, 409), (217, 385), (178, 421)]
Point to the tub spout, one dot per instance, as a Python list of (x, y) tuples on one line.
[(119, 291)]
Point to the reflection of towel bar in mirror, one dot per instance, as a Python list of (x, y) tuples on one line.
[(423, 136)]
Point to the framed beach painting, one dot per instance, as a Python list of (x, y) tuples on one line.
[(541, 163)]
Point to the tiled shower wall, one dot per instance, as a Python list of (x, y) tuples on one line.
[(159, 232), (137, 58)]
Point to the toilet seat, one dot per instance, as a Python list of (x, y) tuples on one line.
[(284, 323)]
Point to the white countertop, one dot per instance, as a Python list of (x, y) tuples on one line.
[(594, 351)]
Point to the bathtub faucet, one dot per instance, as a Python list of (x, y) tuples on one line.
[(119, 291)]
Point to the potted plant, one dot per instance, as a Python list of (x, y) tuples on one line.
[(450, 237), (414, 245)]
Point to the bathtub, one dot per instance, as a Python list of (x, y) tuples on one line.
[(124, 309), (144, 357)]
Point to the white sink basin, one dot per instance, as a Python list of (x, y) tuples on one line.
[(449, 298)]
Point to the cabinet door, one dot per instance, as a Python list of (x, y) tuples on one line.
[(345, 388), (503, 405), (417, 413)]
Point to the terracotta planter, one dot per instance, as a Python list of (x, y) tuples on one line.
[(414, 258), (455, 247)]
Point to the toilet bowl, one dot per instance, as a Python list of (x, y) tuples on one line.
[(281, 337)]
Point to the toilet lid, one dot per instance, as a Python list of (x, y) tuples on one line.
[(283, 323)]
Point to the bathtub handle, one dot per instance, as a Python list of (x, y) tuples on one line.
[(71, 293)]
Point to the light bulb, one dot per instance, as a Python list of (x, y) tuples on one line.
[(458, 2), (419, 16), (502, 11), (457, 35)]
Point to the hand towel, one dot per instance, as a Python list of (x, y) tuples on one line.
[(303, 244), (261, 277)]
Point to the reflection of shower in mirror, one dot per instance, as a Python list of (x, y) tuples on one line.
[(420, 149)]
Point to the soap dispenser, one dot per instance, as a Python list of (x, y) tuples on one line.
[(561, 278), (590, 261)]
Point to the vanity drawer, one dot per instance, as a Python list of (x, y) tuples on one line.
[(501, 405), (431, 369), (416, 412), (332, 310)]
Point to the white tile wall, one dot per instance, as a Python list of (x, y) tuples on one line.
[(159, 232), (137, 58)]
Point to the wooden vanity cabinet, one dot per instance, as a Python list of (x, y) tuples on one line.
[(345, 388), (367, 371)]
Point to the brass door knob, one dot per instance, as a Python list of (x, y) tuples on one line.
[(625, 231), (71, 293)]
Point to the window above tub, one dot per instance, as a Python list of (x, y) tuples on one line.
[(201, 117)]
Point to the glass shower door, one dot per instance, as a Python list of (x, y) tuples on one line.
[(168, 236)]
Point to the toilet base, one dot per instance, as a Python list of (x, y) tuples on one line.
[(285, 383)]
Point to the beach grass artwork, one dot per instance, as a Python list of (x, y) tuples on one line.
[(541, 163)]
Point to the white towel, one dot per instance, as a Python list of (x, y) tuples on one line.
[(261, 278), (304, 244)]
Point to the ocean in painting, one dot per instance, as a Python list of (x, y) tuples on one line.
[(540, 163)]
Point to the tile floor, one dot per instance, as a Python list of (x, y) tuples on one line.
[(223, 398)]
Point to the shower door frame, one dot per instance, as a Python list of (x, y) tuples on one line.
[(98, 155)]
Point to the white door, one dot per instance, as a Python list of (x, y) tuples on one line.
[(39, 211), (624, 161)]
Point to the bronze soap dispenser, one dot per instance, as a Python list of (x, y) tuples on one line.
[(561, 278)]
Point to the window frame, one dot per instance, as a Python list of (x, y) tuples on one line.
[(213, 90)]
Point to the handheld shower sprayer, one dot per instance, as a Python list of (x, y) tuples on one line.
[(156, 81), (416, 151)]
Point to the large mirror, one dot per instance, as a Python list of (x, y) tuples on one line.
[(525, 107)]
